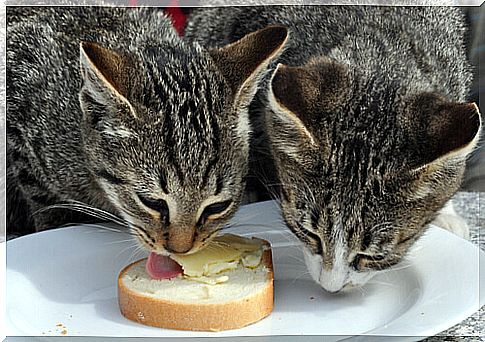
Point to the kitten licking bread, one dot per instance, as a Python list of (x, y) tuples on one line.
[(227, 285), (367, 122), (111, 114)]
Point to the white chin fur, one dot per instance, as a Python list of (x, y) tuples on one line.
[(339, 278)]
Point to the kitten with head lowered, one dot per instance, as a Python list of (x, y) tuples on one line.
[(111, 114), (367, 124)]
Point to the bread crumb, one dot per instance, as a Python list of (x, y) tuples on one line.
[(64, 332), (59, 325)]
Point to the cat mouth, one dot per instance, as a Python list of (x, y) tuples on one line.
[(162, 267)]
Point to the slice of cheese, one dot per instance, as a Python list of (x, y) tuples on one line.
[(223, 253)]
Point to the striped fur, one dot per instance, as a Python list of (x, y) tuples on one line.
[(109, 109), (366, 122)]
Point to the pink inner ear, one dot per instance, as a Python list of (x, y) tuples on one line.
[(162, 267)]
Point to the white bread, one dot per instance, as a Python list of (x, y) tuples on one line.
[(185, 304)]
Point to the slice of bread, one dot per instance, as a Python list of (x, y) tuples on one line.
[(187, 304)]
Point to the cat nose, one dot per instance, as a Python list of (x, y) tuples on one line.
[(180, 240), (179, 250), (333, 291), (345, 288)]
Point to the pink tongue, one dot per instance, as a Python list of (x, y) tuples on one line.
[(162, 267)]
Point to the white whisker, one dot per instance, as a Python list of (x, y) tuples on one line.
[(300, 276), (124, 250)]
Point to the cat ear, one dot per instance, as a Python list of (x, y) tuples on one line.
[(320, 85), (244, 62), (297, 95), (440, 129), (286, 123), (105, 84)]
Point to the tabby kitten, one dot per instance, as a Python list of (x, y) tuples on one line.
[(367, 126), (110, 111)]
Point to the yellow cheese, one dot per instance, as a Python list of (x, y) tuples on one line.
[(223, 253), (252, 260)]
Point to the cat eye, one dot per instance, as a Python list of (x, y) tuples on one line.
[(308, 237), (213, 209), (375, 257), (363, 259), (158, 204)]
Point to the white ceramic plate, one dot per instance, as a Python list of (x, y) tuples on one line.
[(63, 281)]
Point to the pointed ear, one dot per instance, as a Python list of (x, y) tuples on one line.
[(440, 129), (298, 97), (244, 62), (319, 86), (105, 76)]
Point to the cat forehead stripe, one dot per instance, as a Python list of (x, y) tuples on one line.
[(188, 99)]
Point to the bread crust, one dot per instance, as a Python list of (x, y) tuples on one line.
[(201, 317)]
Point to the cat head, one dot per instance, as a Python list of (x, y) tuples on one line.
[(166, 132), (364, 167)]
